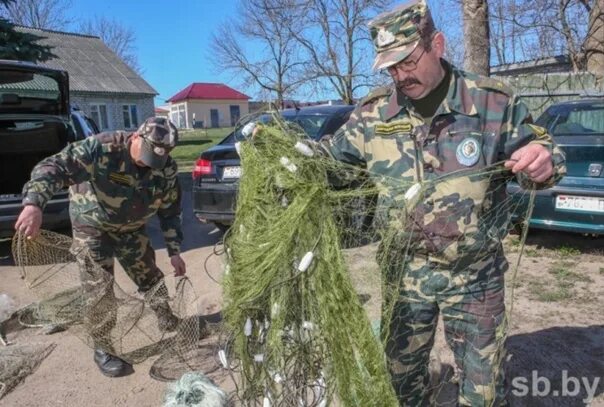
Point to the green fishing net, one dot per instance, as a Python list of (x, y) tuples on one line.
[(299, 333)]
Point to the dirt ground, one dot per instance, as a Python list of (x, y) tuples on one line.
[(557, 325)]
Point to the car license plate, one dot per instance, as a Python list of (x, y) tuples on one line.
[(580, 203), (231, 172)]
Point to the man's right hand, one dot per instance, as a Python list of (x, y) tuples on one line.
[(29, 221)]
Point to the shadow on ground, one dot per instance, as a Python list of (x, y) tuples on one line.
[(552, 354), (551, 367), (548, 239)]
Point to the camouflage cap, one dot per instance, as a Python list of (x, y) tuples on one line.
[(159, 138), (396, 33)]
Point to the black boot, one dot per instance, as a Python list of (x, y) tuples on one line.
[(110, 365)]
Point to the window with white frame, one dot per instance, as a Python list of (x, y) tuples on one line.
[(130, 116), (98, 113)]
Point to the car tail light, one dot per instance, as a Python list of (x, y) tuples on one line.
[(202, 167)]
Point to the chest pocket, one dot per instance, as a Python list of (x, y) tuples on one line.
[(461, 149), (391, 155)]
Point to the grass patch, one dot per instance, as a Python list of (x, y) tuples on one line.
[(563, 288), (530, 252), (544, 293), (566, 251), (556, 295), (192, 142), (563, 273)]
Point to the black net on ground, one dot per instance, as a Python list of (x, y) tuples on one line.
[(19, 361), (74, 292), (310, 230)]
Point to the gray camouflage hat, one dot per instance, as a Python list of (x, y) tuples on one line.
[(159, 138), (396, 33)]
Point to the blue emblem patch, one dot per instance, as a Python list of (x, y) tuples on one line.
[(468, 152)]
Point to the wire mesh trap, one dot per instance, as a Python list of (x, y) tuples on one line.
[(76, 293), (19, 361)]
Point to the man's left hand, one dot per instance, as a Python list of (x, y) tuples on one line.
[(534, 160), (179, 265)]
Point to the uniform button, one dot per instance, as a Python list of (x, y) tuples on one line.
[(428, 168)]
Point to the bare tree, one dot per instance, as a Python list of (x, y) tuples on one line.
[(446, 12), (476, 36), (593, 46), (118, 37), (530, 29), (46, 14), (337, 45), (259, 48)]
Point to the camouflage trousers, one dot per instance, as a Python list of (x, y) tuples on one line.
[(98, 249), (471, 301), (132, 249)]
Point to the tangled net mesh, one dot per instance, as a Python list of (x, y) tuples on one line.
[(75, 292), (298, 332), (19, 361)]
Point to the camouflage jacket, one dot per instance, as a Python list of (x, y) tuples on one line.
[(478, 124), (108, 190)]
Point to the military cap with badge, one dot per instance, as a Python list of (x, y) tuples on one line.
[(396, 33)]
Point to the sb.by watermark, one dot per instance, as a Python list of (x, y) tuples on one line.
[(540, 386)]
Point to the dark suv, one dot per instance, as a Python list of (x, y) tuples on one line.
[(217, 171), (34, 123)]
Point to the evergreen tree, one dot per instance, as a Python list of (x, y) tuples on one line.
[(19, 45)]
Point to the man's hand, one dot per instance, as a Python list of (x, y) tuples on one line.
[(534, 160), (179, 265), (29, 221)]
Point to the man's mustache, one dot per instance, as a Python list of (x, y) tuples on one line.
[(408, 82)]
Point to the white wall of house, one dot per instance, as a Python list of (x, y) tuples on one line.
[(115, 112), (201, 111)]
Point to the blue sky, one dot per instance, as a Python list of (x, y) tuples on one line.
[(173, 37)]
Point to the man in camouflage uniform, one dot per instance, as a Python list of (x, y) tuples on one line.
[(118, 181), (432, 120)]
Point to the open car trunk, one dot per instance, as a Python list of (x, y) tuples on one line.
[(34, 124), (24, 143)]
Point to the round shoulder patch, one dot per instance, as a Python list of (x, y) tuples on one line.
[(468, 152)]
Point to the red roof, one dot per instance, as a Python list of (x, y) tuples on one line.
[(207, 91)]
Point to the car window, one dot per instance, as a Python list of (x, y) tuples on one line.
[(26, 92), (80, 132), (579, 121), (92, 124), (311, 124), (236, 135), (336, 122)]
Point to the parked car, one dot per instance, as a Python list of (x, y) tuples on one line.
[(83, 125), (576, 203), (34, 123), (217, 170)]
